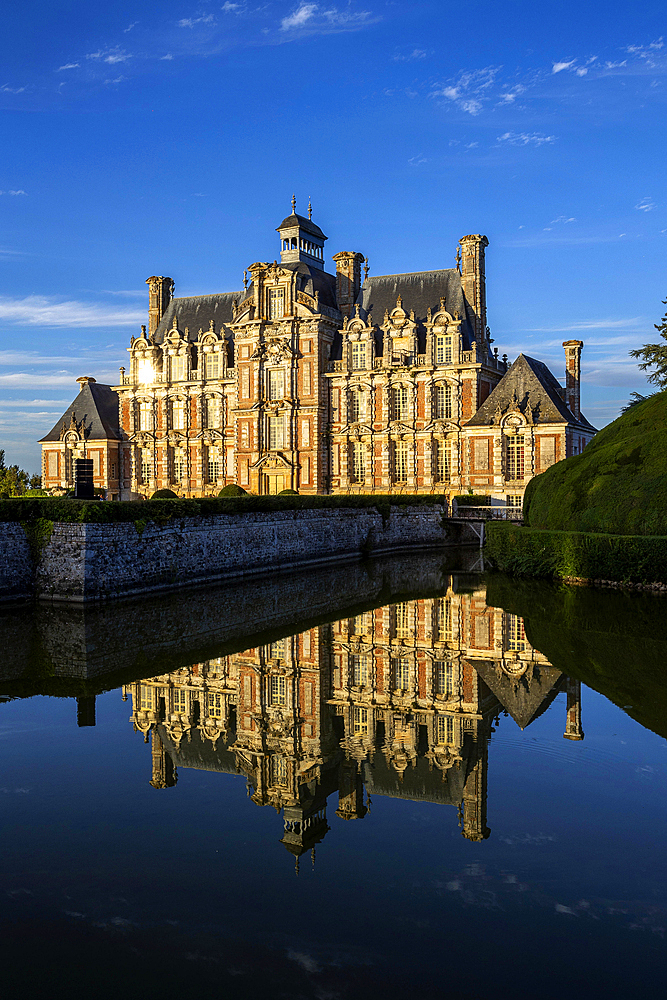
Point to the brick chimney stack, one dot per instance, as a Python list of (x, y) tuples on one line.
[(473, 279), (573, 375), (573, 728), (160, 291), (348, 279)]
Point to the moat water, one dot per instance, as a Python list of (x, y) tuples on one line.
[(397, 778)]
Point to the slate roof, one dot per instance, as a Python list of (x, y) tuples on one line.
[(307, 225), (534, 385), (196, 312), (524, 699), (419, 782), (199, 754), (97, 406), (419, 290)]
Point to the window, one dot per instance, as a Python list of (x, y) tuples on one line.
[(399, 402), (357, 408), (145, 415), (358, 471), (400, 461), (180, 701), (548, 451), (211, 412), (178, 415), (212, 365), (276, 432), (514, 500), (306, 380), (305, 433), (146, 465), (276, 303), (214, 705), (443, 461), (146, 698), (443, 350), (276, 383), (443, 620), (278, 691), (482, 632), (482, 454), (179, 465), (245, 383), (360, 721), (52, 465), (359, 670), (515, 457), (277, 650), (443, 678), (443, 401), (279, 771), (401, 672), (361, 624), (178, 368), (444, 729), (213, 466), (359, 354), (516, 637), (402, 620)]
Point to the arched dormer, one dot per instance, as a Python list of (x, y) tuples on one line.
[(145, 360), (443, 337), (177, 355), (400, 336), (212, 351), (358, 350)]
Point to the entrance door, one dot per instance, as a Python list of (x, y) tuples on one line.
[(274, 484)]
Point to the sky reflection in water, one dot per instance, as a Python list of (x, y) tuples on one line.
[(558, 883)]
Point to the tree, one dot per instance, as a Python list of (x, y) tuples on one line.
[(14, 482), (655, 356)]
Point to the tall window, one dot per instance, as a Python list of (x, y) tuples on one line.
[(277, 650), (515, 457), (276, 383), (443, 401), (514, 500), (443, 678), (357, 407), (443, 350), (212, 412), (146, 465), (359, 670), (178, 414), (212, 365), (278, 691), (360, 721), (399, 402), (402, 620), (214, 705), (146, 698), (401, 672), (443, 613), (359, 354), (516, 637), (279, 771), (443, 461), (178, 368), (276, 432), (179, 465), (213, 465), (358, 462), (361, 624), (276, 303), (445, 729), (400, 461), (145, 415), (180, 701)]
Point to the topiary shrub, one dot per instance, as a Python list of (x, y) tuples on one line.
[(288, 493), (232, 490), (472, 500), (164, 495)]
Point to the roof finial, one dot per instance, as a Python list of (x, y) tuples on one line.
[(293, 204), (310, 209), (458, 259), (245, 279), (366, 268)]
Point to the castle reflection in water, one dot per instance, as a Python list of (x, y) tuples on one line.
[(400, 701)]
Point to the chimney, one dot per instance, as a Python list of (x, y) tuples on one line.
[(573, 730), (473, 279), (573, 375), (84, 381), (348, 279), (160, 291)]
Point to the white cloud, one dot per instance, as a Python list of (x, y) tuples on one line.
[(233, 8), (470, 90), (29, 380), (558, 67), (129, 28), (10, 403), (304, 13), (6, 89), (415, 161), (314, 18), (110, 56), (13, 194), (411, 56), (118, 79), (526, 138), (68, 66), (562, 218), (645, 205), (39, 310), (189, 22), (582, 71), (168, 57)]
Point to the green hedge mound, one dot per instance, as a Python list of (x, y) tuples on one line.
[(164, 495), (618, 485), (232, 490)]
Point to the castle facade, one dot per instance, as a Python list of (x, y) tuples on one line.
[(324, 383)]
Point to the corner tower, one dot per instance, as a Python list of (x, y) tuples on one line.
[(301, 239)]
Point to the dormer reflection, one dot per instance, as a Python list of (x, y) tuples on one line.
[(401, 701)]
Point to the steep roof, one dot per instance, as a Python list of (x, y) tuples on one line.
[(196, 312), (97, 406), (307, 225), (419, 290), (526, 697), (530, 383)]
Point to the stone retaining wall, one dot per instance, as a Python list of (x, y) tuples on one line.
[(84, 562)]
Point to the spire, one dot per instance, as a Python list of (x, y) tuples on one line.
[(310, 208), (293, 204)]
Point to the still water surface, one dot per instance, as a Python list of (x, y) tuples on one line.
[(403, 778)]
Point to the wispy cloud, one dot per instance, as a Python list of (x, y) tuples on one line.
[(190, 22), (110, 56), (413, 56), (130, 27), (14, 194), (558, 67), (6, 89), (645, 205), (526, 138), (302, 15), (40, 310), (470, 90), (68, 66), (312, 17), (415, 161)]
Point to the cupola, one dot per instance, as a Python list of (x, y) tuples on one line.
[(301, 239)]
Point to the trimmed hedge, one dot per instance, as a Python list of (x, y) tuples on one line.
[(472, 500), (62, 510), (523, 551)]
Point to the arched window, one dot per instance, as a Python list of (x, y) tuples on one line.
[(443, 401), (399, 402)]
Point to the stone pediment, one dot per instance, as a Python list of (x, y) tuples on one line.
[(143, 438), (210, 436), (443, 427), (400, 427), (273, 461), (359, 430)]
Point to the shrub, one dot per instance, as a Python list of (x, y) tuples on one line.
[(288, 493), (232, 490), (164, 495), (472, 500)]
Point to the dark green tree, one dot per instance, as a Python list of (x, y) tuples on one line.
[(654, 356), (14, 482)]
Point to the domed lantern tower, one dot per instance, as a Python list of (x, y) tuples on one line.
[(301, 239)]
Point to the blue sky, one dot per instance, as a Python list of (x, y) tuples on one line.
[(141, 140)]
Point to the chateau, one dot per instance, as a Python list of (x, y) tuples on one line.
[(323, 383)]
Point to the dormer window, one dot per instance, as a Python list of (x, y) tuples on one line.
[(276, 303), (443, 350), (212, 365), (359, 354)]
